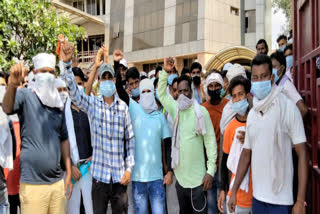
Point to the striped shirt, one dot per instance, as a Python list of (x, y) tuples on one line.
[(110, 128)]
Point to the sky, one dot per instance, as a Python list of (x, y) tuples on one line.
[(278, 23)]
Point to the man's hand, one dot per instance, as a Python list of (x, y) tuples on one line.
[(241, 136), (168, 178), (207, 182), (16, 74), (117, 55), (125, 178), (168, 64), (66, 51), (232, 202), (299, 208), (68, 187), (221, 199), (89, 159), (99, 61), (76, 175)]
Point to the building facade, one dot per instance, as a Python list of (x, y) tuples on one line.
[(149, 30)]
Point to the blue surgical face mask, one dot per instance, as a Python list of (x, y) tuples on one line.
[(261, 89), (107, 88), (276, 76), (135, 92), (282, 48), (240, 107), (171, 78), (223, 92), (289, 60)]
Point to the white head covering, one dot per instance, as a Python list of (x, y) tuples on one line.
[(59, 83), (153, 72), (142, 73), (214, 77), (124, 63), (43, 60), (146, 84), (227, 66), (236, 70)]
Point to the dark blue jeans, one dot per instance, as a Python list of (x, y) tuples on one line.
[(212, 195), (154, 190), (265, 208)]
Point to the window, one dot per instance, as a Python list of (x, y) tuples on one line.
[(78, 4), (188, 62), (149, 67), (250, 21), (234, 11)]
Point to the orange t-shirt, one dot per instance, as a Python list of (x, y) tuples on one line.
[(243, 199), (13, 176), (215, 112)]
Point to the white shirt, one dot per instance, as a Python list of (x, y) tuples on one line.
[(259, 138), (291, 92)]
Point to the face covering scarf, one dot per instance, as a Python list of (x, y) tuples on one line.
[(185, 103), (44, 87), (148, 102)]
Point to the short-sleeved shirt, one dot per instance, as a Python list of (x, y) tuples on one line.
[(259, 139), (215, 112), (82, 132), (149, 130), (291, 92), (243, 199), (42, 130)]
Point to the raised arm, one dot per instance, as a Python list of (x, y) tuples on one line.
[(80, 99), (16, 76), (93, 74), (123, 95), (166, 100)]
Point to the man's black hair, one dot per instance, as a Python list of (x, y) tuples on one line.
[(196, 65), (143, 77), (78, 72), (261, 59), (185, 71), (174, 81), (248, 74), (282, 37), (224, 73), (262, 41), (288, 47), (185, 78), (240, 80), (158, 68), (4, 76), (280, 57), (132, 73)]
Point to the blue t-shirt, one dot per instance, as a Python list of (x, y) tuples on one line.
[(149, 130)]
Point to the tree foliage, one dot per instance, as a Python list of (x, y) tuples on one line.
[(283, 5), (28, 27)]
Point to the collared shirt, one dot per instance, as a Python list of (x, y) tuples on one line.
[(110, 128), (191, 168)]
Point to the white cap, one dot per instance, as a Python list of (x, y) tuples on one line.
[(124, 63), (214, 77), (43, 60), (59, 83), (227, 66), (153, 72), (146, 84), (236, 70)]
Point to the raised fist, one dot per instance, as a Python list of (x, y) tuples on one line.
[(66, 51)]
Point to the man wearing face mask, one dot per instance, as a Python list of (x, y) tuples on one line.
[(282, 42), (239, 89), (147, 176), (288, 52), (196, 69), (62, 89), (133, 79), (44, 138), (172, 86), (110, 123), (274, 125), (192, 132), (214, 105), (281, 79)]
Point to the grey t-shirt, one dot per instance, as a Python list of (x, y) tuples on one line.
[(42, 131)]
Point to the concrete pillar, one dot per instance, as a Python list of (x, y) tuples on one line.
[(128, 26), (169, 22)]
